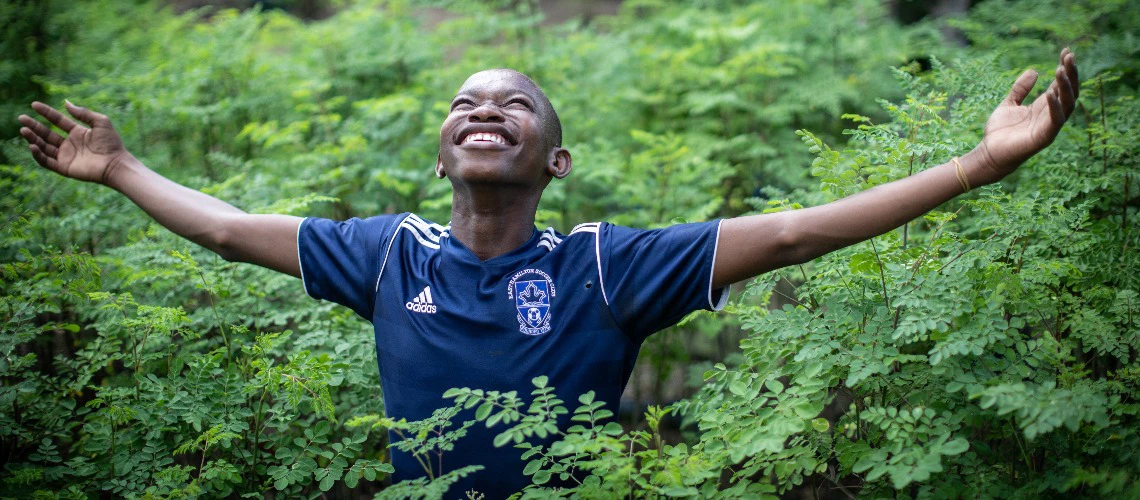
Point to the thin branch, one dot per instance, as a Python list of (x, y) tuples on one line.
[(882, 275)]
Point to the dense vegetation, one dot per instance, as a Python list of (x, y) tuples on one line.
[(987, 349)]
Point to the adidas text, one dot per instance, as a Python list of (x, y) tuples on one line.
[(422, 303), (420, 308)]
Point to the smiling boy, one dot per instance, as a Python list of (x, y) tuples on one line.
[(490, 301)]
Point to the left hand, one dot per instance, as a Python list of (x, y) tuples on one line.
[(1015, 132), (88, 153)]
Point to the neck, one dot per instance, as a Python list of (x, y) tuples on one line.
[(491, 222)]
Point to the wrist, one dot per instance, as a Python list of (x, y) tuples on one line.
[(979, 167), (118, 168)]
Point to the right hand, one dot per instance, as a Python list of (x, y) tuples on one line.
[(1015, 132), (87, 154)]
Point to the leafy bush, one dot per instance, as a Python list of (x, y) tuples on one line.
[(988, 349)]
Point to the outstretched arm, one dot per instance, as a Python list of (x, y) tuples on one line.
[(95, 153), (752, 245)]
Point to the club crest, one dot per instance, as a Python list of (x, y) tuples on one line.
[(532, 291)]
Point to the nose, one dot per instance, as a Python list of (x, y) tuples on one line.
[(488, 112)]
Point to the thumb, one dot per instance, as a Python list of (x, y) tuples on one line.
[(1021, 87), (87, 116)]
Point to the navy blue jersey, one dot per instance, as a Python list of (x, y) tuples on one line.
[(575, 308)]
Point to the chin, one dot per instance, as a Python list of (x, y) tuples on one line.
[(484, 174)]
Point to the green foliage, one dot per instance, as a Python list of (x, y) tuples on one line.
[(594, 453), (987, 349), (427, 440)]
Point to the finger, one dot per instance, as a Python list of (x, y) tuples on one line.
[(28, 135), (1074, 78), (1021, 87), (42, 159), (41, 130), (1056, 110), (55, 117), (1065, 91), (37, 141), (87, 116)]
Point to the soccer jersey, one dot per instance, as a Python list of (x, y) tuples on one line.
[(573, 307)]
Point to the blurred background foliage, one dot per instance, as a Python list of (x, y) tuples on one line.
[(989, 349)]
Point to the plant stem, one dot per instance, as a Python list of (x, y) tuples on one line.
[(1024, 456), (882, 275), (114, 431), (214, 309), (909, 172), (1104, 128), (202, 462)]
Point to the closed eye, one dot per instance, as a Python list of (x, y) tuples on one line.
[(462, 104), (519, 101)]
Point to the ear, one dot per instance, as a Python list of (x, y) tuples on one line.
[(559, 163), (439, 167)]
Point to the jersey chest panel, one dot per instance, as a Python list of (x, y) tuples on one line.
[(443, 320)]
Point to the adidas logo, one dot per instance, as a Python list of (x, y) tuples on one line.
[(422, 303)]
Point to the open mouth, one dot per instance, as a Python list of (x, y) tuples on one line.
[(485, 137)]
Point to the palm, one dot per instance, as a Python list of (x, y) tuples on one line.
[(1015, 132), (84, 154)]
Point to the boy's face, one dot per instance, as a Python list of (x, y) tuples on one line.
[(495, 132)]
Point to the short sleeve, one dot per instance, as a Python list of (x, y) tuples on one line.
[(653, 278), (340, 261)]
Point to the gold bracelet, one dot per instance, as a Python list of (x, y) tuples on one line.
[(961, 174)]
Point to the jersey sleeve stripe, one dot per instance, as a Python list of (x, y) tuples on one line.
[(429, 241), (598, 258), (549, 239), (301, 265), (430, 232), (593, 227), (553, 236), (417, 220), (724, 292), (587, 227), (387, 252), (428, 228)]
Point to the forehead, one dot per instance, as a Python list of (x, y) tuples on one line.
[(496, 82)]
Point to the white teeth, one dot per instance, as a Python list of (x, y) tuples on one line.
[(485, 136)]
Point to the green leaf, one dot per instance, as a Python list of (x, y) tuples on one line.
[(774, 385), (586, 398), (502, 439), (484, 410), (820, 424), (954, 446), (494, 419), (612, 429), (532, 467), (541, 477)]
